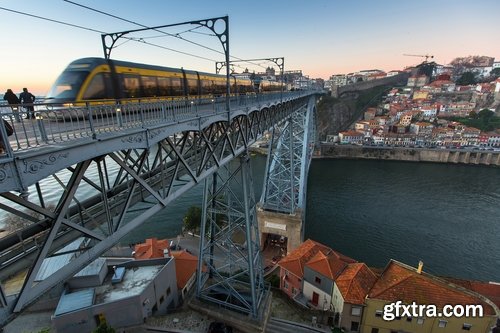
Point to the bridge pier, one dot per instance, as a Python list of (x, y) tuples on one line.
[(290, 226)]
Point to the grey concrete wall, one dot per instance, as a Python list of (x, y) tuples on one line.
[(291, 227), (364, 85), (411, 154)]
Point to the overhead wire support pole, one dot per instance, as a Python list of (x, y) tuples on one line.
[(280, 62), (109, 40)]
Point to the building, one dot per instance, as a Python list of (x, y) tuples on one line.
[(128, 294), (417, 81), (400, 282), (320, 273), (351, 137), (292, 267), (348, 300), (186, 265), (151, 248)]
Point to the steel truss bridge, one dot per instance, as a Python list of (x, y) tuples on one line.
[(117, 165)]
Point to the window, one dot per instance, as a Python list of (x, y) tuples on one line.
[(162, 298), (177, 88), (149, 86), (294, 291), (130, 86), (356, 311), (168, 291), (317, 280), (442, 323), (98, 87), (378, 313), (286, 285), (164, 88), (354, 326), (374, 330), (466, 327), (420, 321), (192, 86)]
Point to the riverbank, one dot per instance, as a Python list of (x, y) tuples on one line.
[(452, 156)]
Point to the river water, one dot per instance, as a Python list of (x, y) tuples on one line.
[(446, 215)]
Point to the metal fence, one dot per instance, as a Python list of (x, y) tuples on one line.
[(54, 125)]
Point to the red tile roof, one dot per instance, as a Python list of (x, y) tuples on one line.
[(355, 282), (490, 290), (401, 282), (329, 264), (152, 248), (296, 260), (186, 265)]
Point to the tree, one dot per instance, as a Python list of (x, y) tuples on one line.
[(466, 79), (104, 328), (495, 72), (486, 114), (192, 219), (473, 115)]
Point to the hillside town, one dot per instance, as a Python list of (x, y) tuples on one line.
[(444, 107)]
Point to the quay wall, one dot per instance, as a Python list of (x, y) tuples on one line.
[(454, 156)]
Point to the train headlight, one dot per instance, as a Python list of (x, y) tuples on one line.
[(68, 105)]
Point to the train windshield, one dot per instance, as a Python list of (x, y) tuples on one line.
[(67, 85)]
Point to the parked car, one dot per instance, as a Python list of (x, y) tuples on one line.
[(219, 327)]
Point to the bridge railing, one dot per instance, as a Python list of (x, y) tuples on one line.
[(55, 125)]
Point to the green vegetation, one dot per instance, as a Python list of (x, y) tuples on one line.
[(466, 79), (104, 328), (192, 219), (274, 280), (485, 120)]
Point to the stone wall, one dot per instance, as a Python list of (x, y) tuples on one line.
[(365, 85), (482, 157)]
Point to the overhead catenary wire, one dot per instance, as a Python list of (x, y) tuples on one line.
[(102, 32), (176, 35)]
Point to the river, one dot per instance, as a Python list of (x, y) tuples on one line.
[(446, 215)]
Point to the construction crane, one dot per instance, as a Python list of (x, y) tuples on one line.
[(426, 56)]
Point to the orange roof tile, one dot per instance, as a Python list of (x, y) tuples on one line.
[(401, 282), (490, 290), (152, 248), (296, 260), (355, 282), (186, 265), (329, 264)]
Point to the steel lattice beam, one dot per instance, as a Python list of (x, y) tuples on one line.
[(119, 184), (288, 163), (230, 258)]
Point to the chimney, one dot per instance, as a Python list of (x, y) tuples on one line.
[(420, 266)]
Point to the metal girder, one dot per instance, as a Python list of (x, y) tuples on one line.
[(230, 258), (100, 200), (288, 163)]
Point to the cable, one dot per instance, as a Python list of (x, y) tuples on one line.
[(51, 20), (163, 32), (103, 32)]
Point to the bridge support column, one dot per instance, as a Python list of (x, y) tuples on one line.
[(230, 263)]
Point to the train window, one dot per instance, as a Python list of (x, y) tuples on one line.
[(67, 84), (207, 87), (149, 86), (192, 87), (99, 87), (131, 88), (177, 87), (164, 86)]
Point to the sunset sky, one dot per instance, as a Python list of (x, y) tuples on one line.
[(320, 37)]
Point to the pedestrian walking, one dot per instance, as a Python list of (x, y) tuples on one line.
[(27, 100), (14, 102)]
